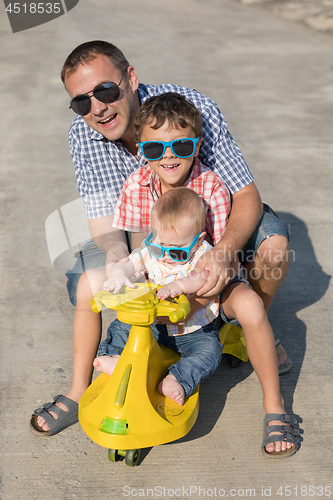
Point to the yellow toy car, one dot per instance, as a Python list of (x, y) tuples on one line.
[(124, 412)]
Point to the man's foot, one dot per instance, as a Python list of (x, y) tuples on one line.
[(281, 424), (284, 361), (70, 395), (276, 446), (172, 389), (281, 355), (106, 364), (54, 417)]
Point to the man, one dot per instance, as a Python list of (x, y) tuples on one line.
[(105, 93)]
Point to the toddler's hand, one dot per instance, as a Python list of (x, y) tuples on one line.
[(172, 290), (116, 282)]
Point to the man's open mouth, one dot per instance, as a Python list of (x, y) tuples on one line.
[(108, 120)]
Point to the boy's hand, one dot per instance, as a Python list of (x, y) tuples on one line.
[(116, 282)]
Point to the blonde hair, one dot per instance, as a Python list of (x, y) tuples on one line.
[(176, 204)]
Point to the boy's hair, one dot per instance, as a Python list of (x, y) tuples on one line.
[(176, 204), (88, 51), (171, 107)]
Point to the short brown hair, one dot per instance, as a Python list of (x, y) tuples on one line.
[(178, 203), (88, 51), (171, 107)]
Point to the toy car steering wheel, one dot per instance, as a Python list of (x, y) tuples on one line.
[(141, 304)]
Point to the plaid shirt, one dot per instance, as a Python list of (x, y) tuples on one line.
[(142, 189), (102, 166), (163, 275)]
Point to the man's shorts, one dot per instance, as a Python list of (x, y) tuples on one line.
[(269, 225), (90, 257)]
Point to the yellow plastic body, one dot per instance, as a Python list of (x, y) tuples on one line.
[(125, 411), (232, 338)]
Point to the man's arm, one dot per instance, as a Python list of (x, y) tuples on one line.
[(246, 210), (109, 240)]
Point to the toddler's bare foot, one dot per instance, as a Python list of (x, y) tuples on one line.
[(106, 364), (172, 389)]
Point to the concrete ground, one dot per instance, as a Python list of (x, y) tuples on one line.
[(273, 81), (315, 14)]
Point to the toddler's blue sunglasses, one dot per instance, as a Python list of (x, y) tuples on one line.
[(182, 148), (180, 254)]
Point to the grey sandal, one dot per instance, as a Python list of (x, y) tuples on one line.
[(289, 433), (65, 418), (287, 365)]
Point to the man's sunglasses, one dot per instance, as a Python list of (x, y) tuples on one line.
[(182, 148), (106, 92), (180, 254)]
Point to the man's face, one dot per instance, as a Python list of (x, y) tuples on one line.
[(115, 120)]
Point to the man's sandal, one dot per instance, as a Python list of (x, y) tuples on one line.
[(65, 418), (289, 433), (287, 365)]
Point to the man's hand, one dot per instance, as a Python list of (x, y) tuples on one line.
[(220, 262), (218, 268)]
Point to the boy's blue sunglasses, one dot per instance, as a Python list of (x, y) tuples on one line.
[(182, 148), (180, 254)]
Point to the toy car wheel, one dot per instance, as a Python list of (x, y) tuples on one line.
[(233, 361), (132, 457), (113, 455)]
